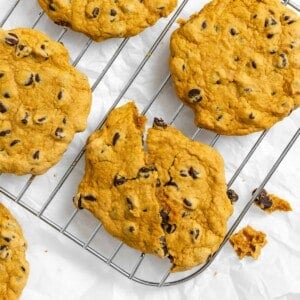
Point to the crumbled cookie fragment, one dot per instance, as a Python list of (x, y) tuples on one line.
[(248, 242), (270, 202)]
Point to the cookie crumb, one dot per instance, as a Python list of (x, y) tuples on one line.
[(270, 202), (248, 242)]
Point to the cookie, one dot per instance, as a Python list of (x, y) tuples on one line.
[(14, 268), (168, 200), (103, 19), (192, 195), (270, 203), (248, 242), (236, 64), (44, 101), (118, 186)]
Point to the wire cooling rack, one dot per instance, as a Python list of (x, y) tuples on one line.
[(54, 206)]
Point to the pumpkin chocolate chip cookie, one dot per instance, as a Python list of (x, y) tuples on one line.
[(237, 65), (103, 19), (41, 96), (168, 200), (14, 268)]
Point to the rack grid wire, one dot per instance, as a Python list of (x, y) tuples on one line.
[(137, 262)]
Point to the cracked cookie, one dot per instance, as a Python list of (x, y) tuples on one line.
[(103, 19), (248, 242), (169, 200), (14, 268), (44, 101), (236, 64)]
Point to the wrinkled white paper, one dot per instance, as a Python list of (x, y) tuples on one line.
[(62, 270)]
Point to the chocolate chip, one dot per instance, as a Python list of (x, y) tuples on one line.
[(5, 132), (163, 243), (270, 35), (23, 269), (6, 95), (3, 108), (273, 51), (204, 25), (195, 233), (193, 173), (195, 95), (131, 229), (286, 18), (62, 23), (159, 123), (37, 78), (263, 200), (183, 173), (233, 31), (119, 180), (59, 133), (145, 171), (113, 12), (169, 228), (184, 214), (165, 216), (254, 16), (29, 81), (90, 198), (36, 155), (232, 195), (41, 120), (251, 116), (236, 58), (64, 120), (254, 65), (6, 239), (78, 201), (116, 138), (129, 203), (218, 81), (187, 203), (60, 95), (51, 6), (270, 22), (14, 142), (95, 12), (283, 60), (11, 39), (25, 119), (219, 117), (291, 22), (171, 183), (158, 183), (1, 74)]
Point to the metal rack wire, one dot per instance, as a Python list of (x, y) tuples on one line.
[(87, 242)]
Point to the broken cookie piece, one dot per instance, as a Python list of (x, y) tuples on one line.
[(270, 203), (169, 200), (248, 242)]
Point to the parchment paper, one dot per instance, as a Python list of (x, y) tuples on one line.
[(62, 270)]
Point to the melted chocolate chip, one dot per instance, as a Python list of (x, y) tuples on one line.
[(204, 25), (263, 199), (62, 23), (131, 229), (25, 119), (145, 171), (95, 12), (115, 138), (171, 183), (60, 95), (195, 95), (11, 39), (6, 239), (193, 173), (59, 132), (270, 35), (232, 195), (187, 202), (37, 78), (195, 233), (36, 155), (23, 269), (233, 31), (159, 123), (14, 142), (254, 65), (119, 180), (113, 12), (129, 203), (90, 198), (5, 132), (169, 228), (165, 216), (158, 183), (251, 116), (29, 81), (3, 108), (183, 173)]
